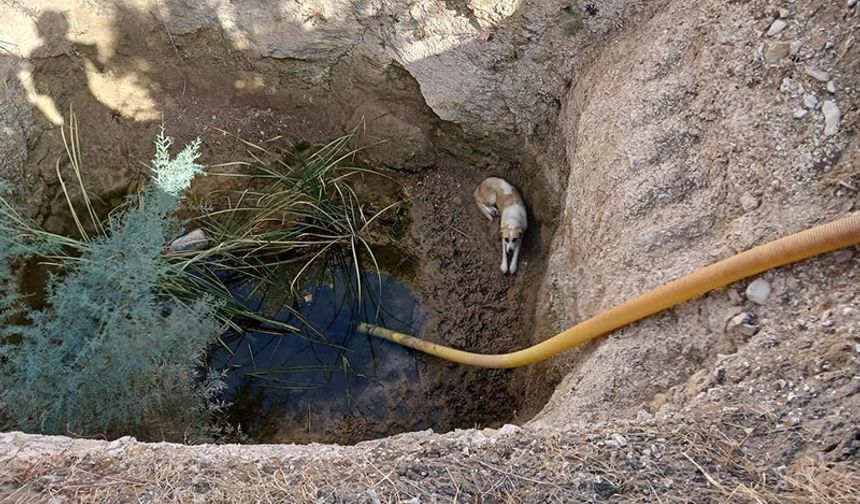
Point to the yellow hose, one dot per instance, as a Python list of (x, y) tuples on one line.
[(793, 248)]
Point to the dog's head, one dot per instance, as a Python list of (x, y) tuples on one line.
[(511, 238)]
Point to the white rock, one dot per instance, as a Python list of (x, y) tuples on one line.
[(795, 47), (810, 101), (784, 13), (508, 429), (195, 240), (776, 27), (818, 75), (831, 87), (744, 323), (748, 201), (832, 116), (799, 113), (758, 291), (616, 441)]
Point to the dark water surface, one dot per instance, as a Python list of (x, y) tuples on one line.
[(349, 387)]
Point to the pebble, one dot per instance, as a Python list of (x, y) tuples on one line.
[(832, 116), (831, 87), (616, 441), (818, 75), (776, 27), (799, 113), (776, 51), (795, 47), (810, 101), (734, 297), (788, 85), (758, 291), (784, 13), (745, 323), (508, 429), (195, 240), (748, 201), (843, 256)]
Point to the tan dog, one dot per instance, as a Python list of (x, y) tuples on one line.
[(496, 196)]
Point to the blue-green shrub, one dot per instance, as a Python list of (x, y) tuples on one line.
[(110, 354)]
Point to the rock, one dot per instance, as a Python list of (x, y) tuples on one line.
[(193, 241), (734, 297), (831, 87), (818, 75), (810, 101), (843, 256), (799, 113), (788, 85), (832, 116), (795, 47), (616, 441), (374, 497), (658, 402), (776, 51), (758, 291), (508, 429), (784, 13), (776, 27), (745, 323), (748, 201), (852, 3)]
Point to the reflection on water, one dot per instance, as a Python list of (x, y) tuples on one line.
[(349, 387)]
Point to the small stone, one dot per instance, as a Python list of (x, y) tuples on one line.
[(734, 297), (818, 75), (776, 51), (832, 116), (843, 256), (616, 441), (852, 3), (758, 291), (857, 347), (831, 87), (784, 13), (776, 27), (720, 374), (745, 323), (195, 240), (658, 402), (788, 85), (508, 429), (810, 101), (795, 47), (374, 497), (799, 113), (748, 201)]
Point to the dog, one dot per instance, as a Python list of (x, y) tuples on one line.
[(495, 196)]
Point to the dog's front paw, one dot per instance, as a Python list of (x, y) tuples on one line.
[(512, 269), (504, 268)]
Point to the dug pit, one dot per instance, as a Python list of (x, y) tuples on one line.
[(123, 87)]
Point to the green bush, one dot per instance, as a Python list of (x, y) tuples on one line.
[(110, 354)]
